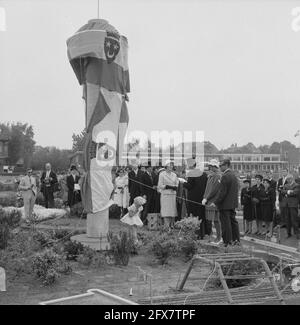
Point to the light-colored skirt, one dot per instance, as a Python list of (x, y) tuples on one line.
[(132, 221), (168, 205)]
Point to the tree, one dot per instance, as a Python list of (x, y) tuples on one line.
[(58, 158), (78, 140), (21, 143)]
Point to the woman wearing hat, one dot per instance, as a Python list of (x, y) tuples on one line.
[(73, 187), (167, 185)]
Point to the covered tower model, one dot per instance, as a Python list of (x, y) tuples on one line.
[(98, 55)]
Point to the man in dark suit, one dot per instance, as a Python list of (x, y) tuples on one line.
[(290, 203), (49, 182), (73, 190), (148, 191), (227, 202), (195, 185), (283, 209), (269, 176), (135, 183)]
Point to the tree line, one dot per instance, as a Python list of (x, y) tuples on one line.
[(22, 145)]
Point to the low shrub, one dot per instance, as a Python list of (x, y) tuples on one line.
[(59, 203), (164, 246), (15, 258), (91, 258), (44, 238), (9, 219), (73, 249), (188, 246), (47, 266), (61, 234), (77, 210), (121, 246), (8, 199), (188, 227)]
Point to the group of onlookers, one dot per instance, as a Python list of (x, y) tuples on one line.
[(213, 197), (259, 203), (198, 191), (48, 184)]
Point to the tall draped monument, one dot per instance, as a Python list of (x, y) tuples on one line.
[(98, 55)]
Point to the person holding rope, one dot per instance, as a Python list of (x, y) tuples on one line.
[(210, 195)]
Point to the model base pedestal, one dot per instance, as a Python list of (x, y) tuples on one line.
[(97, 225), (94, 243)]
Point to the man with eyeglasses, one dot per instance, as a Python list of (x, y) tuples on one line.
[(29, 191)]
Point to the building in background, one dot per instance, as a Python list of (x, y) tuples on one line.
[(4, 139)]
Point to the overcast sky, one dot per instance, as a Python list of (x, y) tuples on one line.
[(230, 68)]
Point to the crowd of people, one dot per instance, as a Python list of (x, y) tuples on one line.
[(212, 196), (259, 204)]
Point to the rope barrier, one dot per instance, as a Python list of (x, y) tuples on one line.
[(186, 200)]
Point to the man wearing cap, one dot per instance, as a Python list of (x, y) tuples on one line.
[(209, 197), (227, 202), (73, 187), (29, 191), (196, 184)]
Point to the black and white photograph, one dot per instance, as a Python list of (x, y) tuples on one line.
[(150, 155)]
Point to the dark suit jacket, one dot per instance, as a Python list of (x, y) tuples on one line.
[(135, 184), (228, 194), (279, 189), (291, 200), (148, 182), (273, 185), (52, 182), (71, 184), (196, 186)]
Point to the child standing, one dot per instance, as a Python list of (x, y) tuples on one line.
[(132, 218)]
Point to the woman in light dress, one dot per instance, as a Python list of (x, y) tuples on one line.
[(121, 194), (167, 185)]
